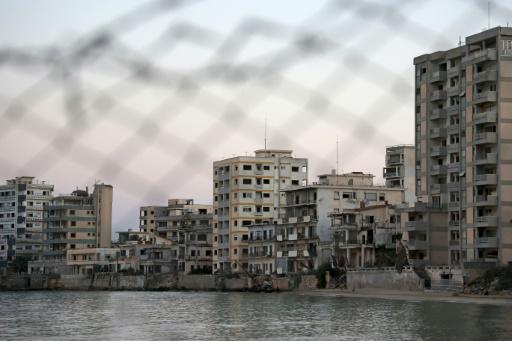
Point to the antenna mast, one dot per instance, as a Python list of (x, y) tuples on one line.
[(265, 131), (337, 156), (488, 14)]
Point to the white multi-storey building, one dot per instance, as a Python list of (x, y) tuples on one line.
[(247, 191)]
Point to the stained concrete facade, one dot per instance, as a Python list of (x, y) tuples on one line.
[(22, 203), (247, 191), (463, 118), (79, 220)]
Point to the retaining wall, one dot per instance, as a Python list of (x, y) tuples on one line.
[(384, 279)]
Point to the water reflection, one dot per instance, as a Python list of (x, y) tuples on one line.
[(234, 316)]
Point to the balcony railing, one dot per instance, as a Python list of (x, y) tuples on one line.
[(480, 56), (416, 244), (484, 221), (438, 188), (487, 242), (438, 113), (438, 95), (482, 138), (437, 132), (438, 76), (485, 76), (437, 169), (489, 200), (484, 96), (489, 159), (485, 117), (416, 225), (486, 179), (437, 151)]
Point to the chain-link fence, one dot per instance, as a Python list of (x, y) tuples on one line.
[(147, 100)]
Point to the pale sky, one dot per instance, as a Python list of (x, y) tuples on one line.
[(155, 137)]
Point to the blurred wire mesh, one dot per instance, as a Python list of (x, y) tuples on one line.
[(149, 114)]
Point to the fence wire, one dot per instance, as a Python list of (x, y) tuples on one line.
[(133, 113)]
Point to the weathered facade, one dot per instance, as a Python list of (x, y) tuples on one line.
[(78, 221), (22, 203), (463, 116), (247, 191)]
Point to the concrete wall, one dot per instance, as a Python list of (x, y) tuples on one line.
[(384, 279), (197, 282)]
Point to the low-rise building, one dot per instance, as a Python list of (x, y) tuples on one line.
[(334, 193), (189, 228), (356, 232), (77, 221), (296, 244), (262, 249)]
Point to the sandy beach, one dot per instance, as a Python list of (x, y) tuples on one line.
[(412, 296)]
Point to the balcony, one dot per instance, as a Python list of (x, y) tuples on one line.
[(483, 200), (486, 221), (437, 113), (392, 159), (487, 242), (438, 76), (485, 117), (455, 185), (485, 179), (437, 133), (438, 169), (480, 56), (452, 109), (453, 91), (438, 188), (454, 147), (485, 76), (484, 138), (438, 95), (454, 205), (488, 159), (484, 96), (453, 71), (438, 151), (453, 166), (416, 225), (391, 172), (416, 244), (453, 129)]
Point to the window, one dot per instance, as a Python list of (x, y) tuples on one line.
[(370, 196), (247, 181), (266, 167), (295, 169), (266, 181), (336, 195), (382, 197), (247, 167), (349, 195), (295, 182), (247, 209)]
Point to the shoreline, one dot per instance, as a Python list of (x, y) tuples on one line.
[(411, 296)]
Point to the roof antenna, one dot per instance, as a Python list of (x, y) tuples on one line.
[(488, 14), (460, 41), (337, 155), (265, 131)]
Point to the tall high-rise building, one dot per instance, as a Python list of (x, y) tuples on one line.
[(78, 220), (247, 191), (463, 117), (22, 201)]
